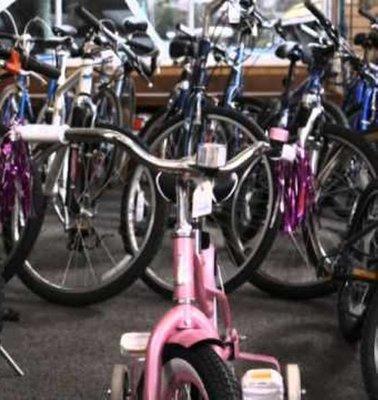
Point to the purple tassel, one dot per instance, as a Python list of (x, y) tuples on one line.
[(296, 185), (15, 176)]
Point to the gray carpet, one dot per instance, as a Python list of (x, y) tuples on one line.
[(69, 353)]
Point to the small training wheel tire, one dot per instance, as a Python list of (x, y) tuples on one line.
[(119, 388), (293, 382)]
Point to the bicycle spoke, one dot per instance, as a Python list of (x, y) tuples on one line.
[(87, 256), (302, 252), (72, 254), (107, 251)]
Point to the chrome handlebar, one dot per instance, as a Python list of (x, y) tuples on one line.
[(184, 165), (55, 134)]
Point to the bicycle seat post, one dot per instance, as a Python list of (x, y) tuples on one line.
[(183, 254)]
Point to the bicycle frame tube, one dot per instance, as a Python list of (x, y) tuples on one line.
[(119, 81), (364, 119), (235, 84), (51, 89), (55, 170), (185, 324), (364, 95), (25, 108), (194, 319), (193, 107), (82, 78)]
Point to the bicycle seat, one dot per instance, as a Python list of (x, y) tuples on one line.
[(367, 40), (64, 30), (182, 46), (134, 26), (322, 51), (246, 4), (142, 45), (292, 51)]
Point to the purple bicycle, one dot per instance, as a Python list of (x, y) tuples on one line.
[(317, 191)]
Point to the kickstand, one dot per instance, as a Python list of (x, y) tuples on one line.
[(11, 362)]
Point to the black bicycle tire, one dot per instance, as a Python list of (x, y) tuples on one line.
[(351, 326), (54, 295), (105, 91), (330, 108), (367, 353), (301, 292), (268, 239), (153, 123), (218, 380), (19, 252)]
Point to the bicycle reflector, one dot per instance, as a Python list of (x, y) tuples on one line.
[(13, 65)]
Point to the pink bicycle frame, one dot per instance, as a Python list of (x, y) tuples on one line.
[(188, 324)]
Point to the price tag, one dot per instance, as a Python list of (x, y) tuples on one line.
[(234, 11), (202, 200)]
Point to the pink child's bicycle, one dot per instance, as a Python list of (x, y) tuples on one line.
[(187, 355)]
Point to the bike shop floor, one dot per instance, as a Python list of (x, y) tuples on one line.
[(68, 353)]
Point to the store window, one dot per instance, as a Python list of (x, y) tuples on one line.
[(164, 15)]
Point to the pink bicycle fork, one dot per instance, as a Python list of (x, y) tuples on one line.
[(188, 324), (185, 324)]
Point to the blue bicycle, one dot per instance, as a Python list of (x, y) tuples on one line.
[(361, 90)]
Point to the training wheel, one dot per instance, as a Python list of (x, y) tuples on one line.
[(119, 388), (293, 382)]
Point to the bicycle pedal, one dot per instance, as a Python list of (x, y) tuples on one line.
[(134, 343)]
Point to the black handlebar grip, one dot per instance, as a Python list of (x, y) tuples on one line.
[(367, 40), (88, 17), (30, 63), (365, 13)]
